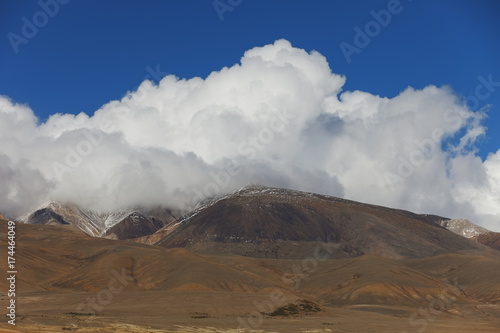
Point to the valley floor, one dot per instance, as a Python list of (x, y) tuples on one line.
[(161, 311)]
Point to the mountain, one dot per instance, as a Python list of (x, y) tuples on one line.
[(134, 225), (463, 227), (122, 224), (154, 238), (472, 231), (260, 259), (277, 223), (55, 264), (103, 285), (490, 238)]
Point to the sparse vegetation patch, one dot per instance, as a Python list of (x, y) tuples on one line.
[(301, 307)]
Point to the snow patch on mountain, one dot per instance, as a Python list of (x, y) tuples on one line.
[(463, 227), (94, 223)]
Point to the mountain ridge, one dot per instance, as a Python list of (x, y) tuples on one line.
[(265, 222), (258, 254), (121, 224), (157, 226)]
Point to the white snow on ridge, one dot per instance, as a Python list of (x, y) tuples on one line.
[(463, 227), (91, 222)]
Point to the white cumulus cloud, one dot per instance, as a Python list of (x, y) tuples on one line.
[(279, 118)]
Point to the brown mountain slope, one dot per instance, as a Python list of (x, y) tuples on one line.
[(134, 225), (158, 235), (491, 239), (476, 272), (62, 271), (64, 258), (372, 279), (275, 223)]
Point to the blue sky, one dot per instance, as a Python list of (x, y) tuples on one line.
[(91, 52)]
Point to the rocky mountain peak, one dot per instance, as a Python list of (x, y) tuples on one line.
[(463, 227)]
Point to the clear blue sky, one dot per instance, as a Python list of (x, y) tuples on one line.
[(91, 52)]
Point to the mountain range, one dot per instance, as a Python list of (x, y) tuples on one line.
[(256, 220), (123, 224), (260, 258)]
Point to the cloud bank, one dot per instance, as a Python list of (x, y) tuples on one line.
[(279, 118)]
